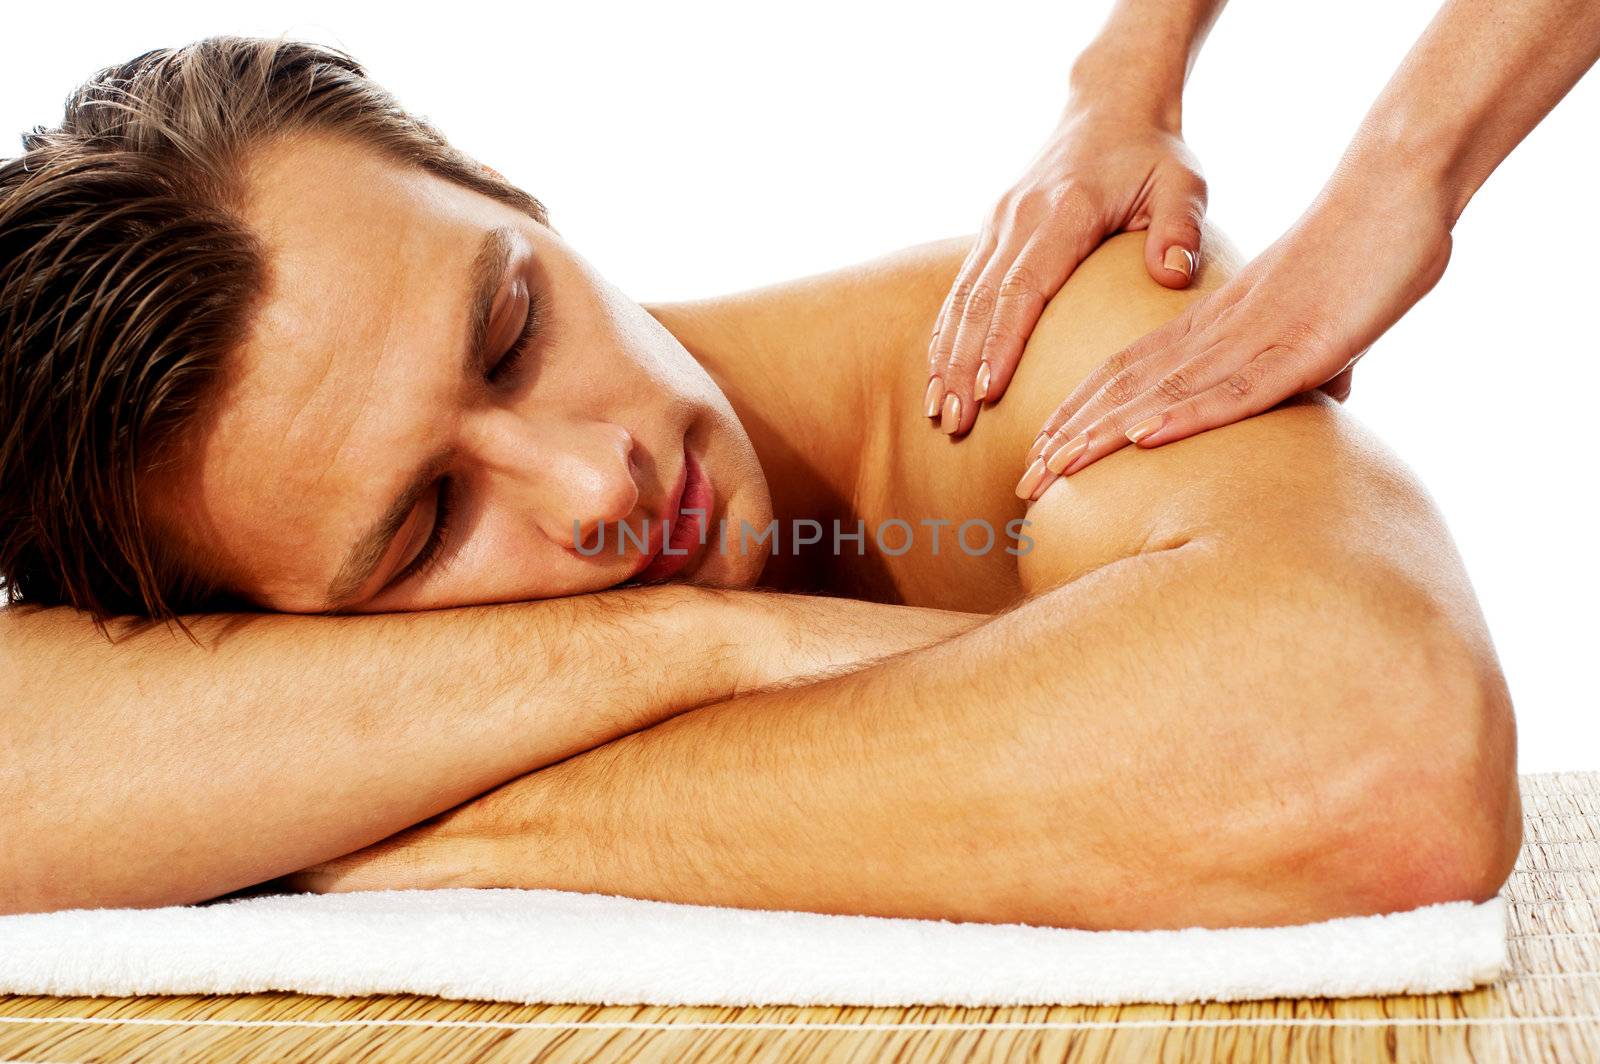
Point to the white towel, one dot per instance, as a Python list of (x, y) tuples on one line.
[(559, 946)]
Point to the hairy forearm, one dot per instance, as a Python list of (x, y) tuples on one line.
[(1483, 74), (154, 771), (1141, 58), (1037, 768)]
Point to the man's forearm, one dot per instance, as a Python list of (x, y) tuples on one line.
[(1076, 761), (1483, 74), (152, 771)]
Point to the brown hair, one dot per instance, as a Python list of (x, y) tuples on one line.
[(126, 276)]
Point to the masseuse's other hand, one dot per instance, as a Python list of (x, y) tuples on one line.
[(1295, 319), (1103, 170), (458, 848)]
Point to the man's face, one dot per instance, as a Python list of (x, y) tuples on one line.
[(435, 393)]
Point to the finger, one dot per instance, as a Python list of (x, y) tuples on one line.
[(942, 320), (1338, 388), (1110, 384), (1060, 446), (1184, 329), (1086, 439), (1260, 384), (1074, 449), (944, 336), (959, 409), (1045, 263), (420, 858), (960, 371), (369, 869), (1172, 246), (1082, 449)]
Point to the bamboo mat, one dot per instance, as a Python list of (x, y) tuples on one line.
[(1547, 1008)]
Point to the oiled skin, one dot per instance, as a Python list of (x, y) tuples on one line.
[(1241, 679), (851, 345)]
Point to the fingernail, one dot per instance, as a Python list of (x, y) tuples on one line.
[(1038, 446), (1030, 479), (1145, 427), (1063, 455), (934, 396), (952, 413), (981, 392), (1180, 259)]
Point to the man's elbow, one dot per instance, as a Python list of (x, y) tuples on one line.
[(1431, 812), (1450, 824)]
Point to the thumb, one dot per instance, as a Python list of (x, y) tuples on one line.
[(1339, 387), (1172, 245)]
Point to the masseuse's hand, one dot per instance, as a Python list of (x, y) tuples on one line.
[(1294, 320), (1107, 167)]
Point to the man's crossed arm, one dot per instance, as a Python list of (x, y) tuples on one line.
[(156, 771), (1282, 708)]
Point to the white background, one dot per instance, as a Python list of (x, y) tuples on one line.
[(693, 148)]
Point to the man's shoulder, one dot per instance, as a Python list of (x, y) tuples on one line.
[(874, 320), (1301, 479), (1300, 473)]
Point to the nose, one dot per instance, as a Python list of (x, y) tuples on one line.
[(568, 476)]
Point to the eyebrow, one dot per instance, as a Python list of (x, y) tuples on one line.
[(485, 278)]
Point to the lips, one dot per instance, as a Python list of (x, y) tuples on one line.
[(671, 556)]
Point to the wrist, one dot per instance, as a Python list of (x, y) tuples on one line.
[(789, 639), (1413, 157), (615, 661), (1140, 87), (1400, 213)]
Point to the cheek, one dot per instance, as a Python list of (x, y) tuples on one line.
[(503, 560), (642, 347)]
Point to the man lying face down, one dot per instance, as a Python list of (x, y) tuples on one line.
[(274, 355)]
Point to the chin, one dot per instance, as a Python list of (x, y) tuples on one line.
[(745, 501), (733, 568), (742, 495)]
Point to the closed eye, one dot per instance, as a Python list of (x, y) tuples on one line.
[(531, 327), (444, 499), (438, 537)]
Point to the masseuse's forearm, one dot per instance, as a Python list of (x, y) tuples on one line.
[(1080, 760), (1142, 56), (1483, 74), (153, 771)]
